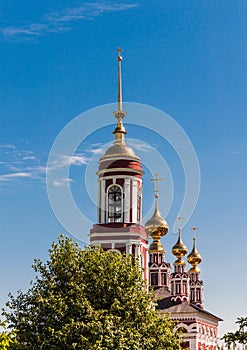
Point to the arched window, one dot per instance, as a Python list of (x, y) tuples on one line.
[(115, 204)]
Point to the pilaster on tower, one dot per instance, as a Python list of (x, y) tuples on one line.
[(157, 227), (179, 278), (120, 194)]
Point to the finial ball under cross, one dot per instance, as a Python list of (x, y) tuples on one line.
[(119, 50), (156, 179)]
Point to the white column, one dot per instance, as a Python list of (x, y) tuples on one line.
[(99, 201), (134, 201), (136, 251), (140, 184), (194, 344), (102, 201), (127, 200), (130, 248), (146, 267)]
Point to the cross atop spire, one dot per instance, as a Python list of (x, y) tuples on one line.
[(120, 98), (119, 50), (179, 218), (194, 229), (156, 180)]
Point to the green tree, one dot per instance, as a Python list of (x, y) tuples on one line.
[(88, 299), (6, 338), (238, 337)]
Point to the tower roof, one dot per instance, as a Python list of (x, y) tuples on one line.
[(119, 148)]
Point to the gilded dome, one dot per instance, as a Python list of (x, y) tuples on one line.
[(179, 250), (119, 150), (156, 225), (194, 258)]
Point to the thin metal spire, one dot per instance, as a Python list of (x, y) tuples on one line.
[(120, 97), (119, 131)]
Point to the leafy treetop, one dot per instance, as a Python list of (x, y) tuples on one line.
[(87, 299)]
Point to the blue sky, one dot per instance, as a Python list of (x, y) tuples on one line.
[(186, 58)]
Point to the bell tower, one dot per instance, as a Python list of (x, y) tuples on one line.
[(120, 195)]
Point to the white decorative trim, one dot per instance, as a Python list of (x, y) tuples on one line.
[(127, 170), (122, 177)]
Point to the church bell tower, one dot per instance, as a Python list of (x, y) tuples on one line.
[(120, 195)]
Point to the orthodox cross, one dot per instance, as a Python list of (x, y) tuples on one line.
[(119, 50), (156, 179), (179, 218), (194, 229)]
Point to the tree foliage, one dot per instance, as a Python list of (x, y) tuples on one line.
[(238, 337), (87, 299), (6, 338)]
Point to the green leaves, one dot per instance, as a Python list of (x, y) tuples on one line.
[(6, 338), (87, 299), (238, 337)]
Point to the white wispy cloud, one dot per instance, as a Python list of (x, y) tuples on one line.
[(67, 160), (62, 182), (96, 148), (140, 146), (20, 166), (13, 176), (7, 146), (29, 158), (98, 151), (77, 159), (58, 22)]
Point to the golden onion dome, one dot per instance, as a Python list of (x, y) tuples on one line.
[(179, 250), (194, 258), (156, 225)]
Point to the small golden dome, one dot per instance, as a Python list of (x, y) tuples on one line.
[(156, 225), (194, 258), (179, 250)]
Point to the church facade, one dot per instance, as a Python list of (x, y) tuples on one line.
[(178, 291)]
